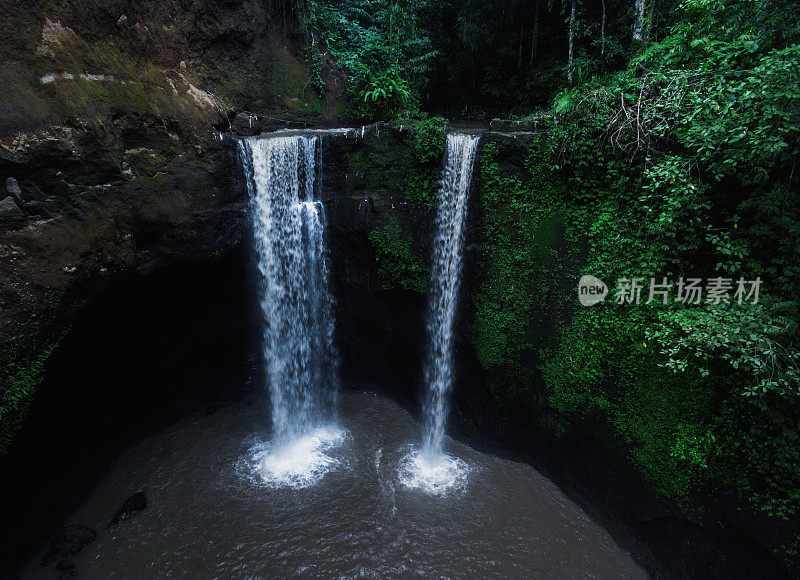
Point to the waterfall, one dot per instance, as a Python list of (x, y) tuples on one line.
[(445, 283), (431, 469), (298, 337)]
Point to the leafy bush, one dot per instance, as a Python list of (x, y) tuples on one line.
[(681, 165), (384, 50), (398, 267)]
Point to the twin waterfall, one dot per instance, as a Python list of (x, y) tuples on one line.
[(299, 356), (445, 283), (430, 469)]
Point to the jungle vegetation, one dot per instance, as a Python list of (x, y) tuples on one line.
[(667, 141)]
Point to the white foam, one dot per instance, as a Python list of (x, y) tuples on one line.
[(300, 463), (434, 474)]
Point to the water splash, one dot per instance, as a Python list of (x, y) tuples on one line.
[(431, 469), (299, 356), (435, 475), (299, 463)]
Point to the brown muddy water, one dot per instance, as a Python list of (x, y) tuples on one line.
[(210, 515)]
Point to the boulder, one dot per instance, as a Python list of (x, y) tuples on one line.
[(71, 539), (27, 192), (65, 565), (29, 200), (132, 506), (68, 541), (246, 125), (11, 216), (13, 188)]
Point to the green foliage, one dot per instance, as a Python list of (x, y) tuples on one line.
[(681, 165), (383, 48), (496, 186), (693, 445), (22, 367), (398, 266), (422, 160), (386, 88), (411, 167), (684, 165), (422, 186), (522, 214), (605, 374), (759, 452), (428, 139), (748, 337), (17, 391)]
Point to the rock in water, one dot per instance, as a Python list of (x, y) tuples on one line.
[(65, 565), (133, 505), (68, 541), (73, 538)]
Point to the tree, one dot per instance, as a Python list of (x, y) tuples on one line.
[(535, 34), (638, 25), (571, 41), (603, 31)]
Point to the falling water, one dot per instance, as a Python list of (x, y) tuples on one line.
[(431, 469), (445, 282), (299, 356)]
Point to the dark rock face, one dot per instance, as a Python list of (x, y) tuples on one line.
[(233, 49), (68, 541), (132, 506), (127, 368), (706, 552), (105, 202), (65, 565), (381, 332), (246, 125)]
